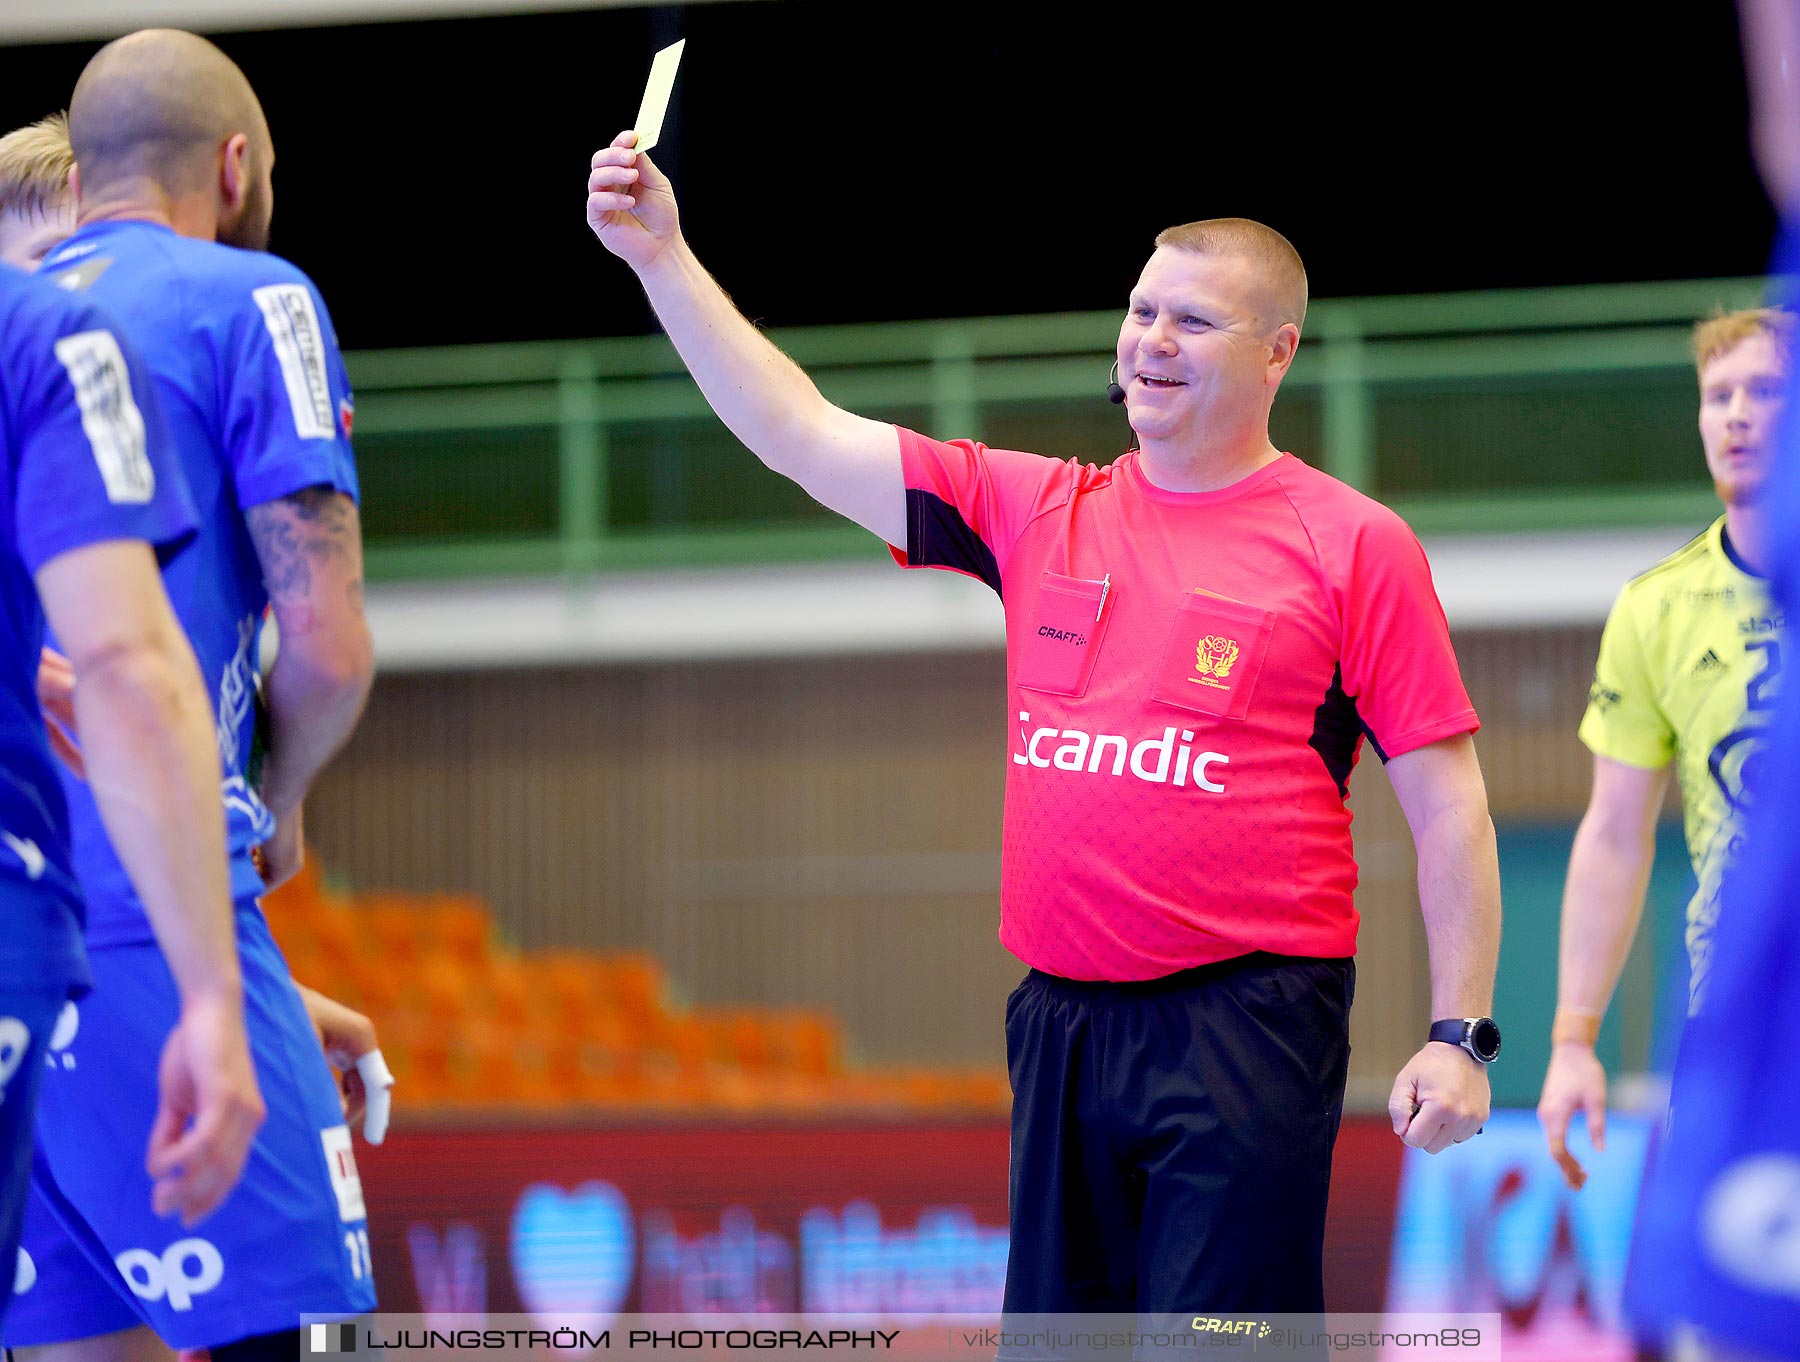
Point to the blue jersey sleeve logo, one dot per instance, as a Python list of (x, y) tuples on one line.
[(300, 348), (109, 416)]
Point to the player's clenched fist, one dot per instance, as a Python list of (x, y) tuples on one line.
[(630, 204)]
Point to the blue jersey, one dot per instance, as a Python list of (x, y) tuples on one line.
[(1718, 1243), (86, 461), (245, 364)]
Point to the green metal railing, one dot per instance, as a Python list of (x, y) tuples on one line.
[(1477, 412)]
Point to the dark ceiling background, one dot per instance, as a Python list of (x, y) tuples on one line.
[(872, 161)]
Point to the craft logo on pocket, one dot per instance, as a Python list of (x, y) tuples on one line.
[(1214, 657), (1062, 635)]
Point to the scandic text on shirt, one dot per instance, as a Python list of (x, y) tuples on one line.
[(1149, 760)]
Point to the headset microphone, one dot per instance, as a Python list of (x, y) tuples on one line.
[(1114, 393)]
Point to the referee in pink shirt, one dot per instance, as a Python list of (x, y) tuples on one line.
[(1200, 637)]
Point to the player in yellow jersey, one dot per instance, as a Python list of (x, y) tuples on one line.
[(1687, 676)]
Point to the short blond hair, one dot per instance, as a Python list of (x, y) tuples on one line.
[(1727, 330), (35, 162), (1272, 254)]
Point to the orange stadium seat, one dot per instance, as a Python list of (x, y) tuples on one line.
[(573, 979), (686, 1044), (460, 926), (304, 961), (748, 1039), (419, 1054), (590, 1071), (638, 983), (640, 994), (439, 986), (330, 929), (504, 992), (468, 1024), (808, 1043), (512, 1067), (392, 924), (375, 983)]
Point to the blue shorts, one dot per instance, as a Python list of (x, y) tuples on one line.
[(29, 1013), (292, 1238)]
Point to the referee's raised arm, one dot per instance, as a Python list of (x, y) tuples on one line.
[(846, 462)]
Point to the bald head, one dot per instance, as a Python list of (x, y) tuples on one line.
[(1280, 277), (158, 106)]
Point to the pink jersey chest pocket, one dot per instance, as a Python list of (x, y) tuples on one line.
[(1062, 640), (1214, 654)]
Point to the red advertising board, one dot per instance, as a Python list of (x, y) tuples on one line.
[(873, 1218)]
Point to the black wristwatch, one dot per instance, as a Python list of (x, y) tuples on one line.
[(1478, 1036)]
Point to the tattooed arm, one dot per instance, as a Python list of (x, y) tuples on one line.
[(310, 545)]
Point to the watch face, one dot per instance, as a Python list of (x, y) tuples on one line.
[(1484, 1036)]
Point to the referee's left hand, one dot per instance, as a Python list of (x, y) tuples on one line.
[(1440, 1098)]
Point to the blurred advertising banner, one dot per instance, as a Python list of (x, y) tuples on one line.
[(879, 1221), (875, 1219), (1495, 1228)]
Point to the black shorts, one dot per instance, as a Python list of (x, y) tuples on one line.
[(1172, 1140)]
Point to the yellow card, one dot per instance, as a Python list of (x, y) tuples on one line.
[(656, 95)]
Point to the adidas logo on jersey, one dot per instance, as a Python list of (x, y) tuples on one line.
[(1708, 664)]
